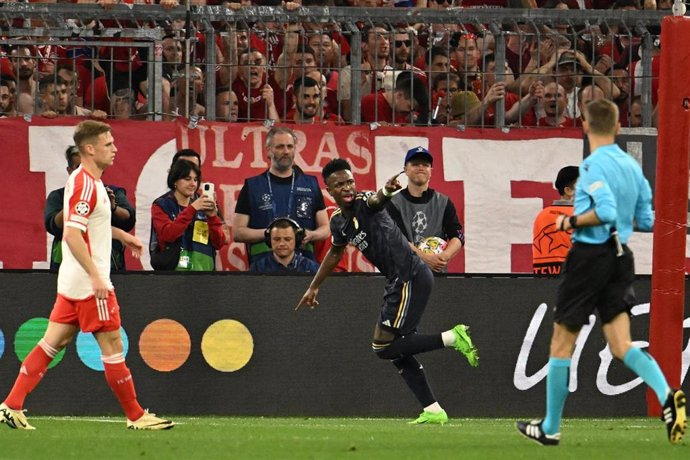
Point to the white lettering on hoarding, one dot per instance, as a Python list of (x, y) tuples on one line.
[(524, 382)]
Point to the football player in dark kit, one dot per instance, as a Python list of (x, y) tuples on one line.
[(362, 221)]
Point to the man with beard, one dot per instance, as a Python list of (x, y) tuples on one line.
[(621, 78), (7, 99), (255, 90), (307, 93), (283, 190), (24, 64), (421, 212)]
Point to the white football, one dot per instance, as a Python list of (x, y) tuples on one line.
[(432, 245)]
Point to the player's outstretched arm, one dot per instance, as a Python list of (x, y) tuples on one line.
[(379, 200), (328, 264)]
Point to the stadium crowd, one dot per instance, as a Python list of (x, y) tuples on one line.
[(302, 72)]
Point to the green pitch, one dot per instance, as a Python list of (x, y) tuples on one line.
[(321, 438)]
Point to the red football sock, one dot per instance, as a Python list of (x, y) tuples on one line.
[(120, 380), (32, 371)]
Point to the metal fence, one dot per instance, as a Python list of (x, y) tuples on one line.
[(379, 65)]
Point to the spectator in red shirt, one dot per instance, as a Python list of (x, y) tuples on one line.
[(308, 103), (406, 104), (255, 89), (554, 105)]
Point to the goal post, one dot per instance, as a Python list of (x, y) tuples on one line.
[(671, 203)]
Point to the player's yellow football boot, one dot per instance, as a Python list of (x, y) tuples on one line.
[(149, 421), (14, 418)]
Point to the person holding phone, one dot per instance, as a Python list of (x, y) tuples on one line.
[(186, 222)]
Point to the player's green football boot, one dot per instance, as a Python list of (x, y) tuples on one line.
[(438, 418), (463, 344)]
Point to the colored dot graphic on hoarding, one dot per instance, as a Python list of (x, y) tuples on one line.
[(165, 345), (28, 335), (227, 345), (90, 353)]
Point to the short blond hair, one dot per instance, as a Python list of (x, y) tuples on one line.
[(89, 130), (602, 117)]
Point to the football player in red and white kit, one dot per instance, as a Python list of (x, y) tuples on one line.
[(85, 295)]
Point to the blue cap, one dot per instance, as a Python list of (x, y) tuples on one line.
[(419, 152)]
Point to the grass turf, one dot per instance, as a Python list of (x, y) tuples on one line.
[(324, 438)]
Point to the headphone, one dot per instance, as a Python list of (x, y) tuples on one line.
[(299, 231)]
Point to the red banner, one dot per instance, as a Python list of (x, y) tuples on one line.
[(498, 180)]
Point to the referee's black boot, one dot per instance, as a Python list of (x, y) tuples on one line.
[(674, 416), (533, 430)]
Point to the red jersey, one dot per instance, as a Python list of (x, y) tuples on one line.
[(251, 103), (375, 107)]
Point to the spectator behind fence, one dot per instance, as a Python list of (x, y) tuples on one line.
[(468, 57), (375, 61), (255, 89), (283, 236), (185, 224), (308, 103), (550, 245), (55, 100), (444, 87), (553, 112), (283, 190), (122, 216), (7, 97), (227, 107), (407, 103), (53, 97), (636, 112), (587, 94), (24, 66)]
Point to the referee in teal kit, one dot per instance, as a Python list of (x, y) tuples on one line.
[(611, 195)]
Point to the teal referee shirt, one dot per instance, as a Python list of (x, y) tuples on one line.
[(611, 182)]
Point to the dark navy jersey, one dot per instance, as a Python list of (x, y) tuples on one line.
[(375, 234)]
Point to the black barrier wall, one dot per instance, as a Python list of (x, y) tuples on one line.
[(319, 363)]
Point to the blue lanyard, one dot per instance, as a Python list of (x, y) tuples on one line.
[(291, 200)]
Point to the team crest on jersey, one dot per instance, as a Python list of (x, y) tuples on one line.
[(82, 208)]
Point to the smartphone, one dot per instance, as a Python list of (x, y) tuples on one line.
[(208, 189)]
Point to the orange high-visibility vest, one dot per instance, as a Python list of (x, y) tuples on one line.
[(550, 246)]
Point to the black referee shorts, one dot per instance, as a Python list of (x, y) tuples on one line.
[(594, 278), (404, 302)]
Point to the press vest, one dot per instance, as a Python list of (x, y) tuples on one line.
[(194, 256), (261, 202)]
